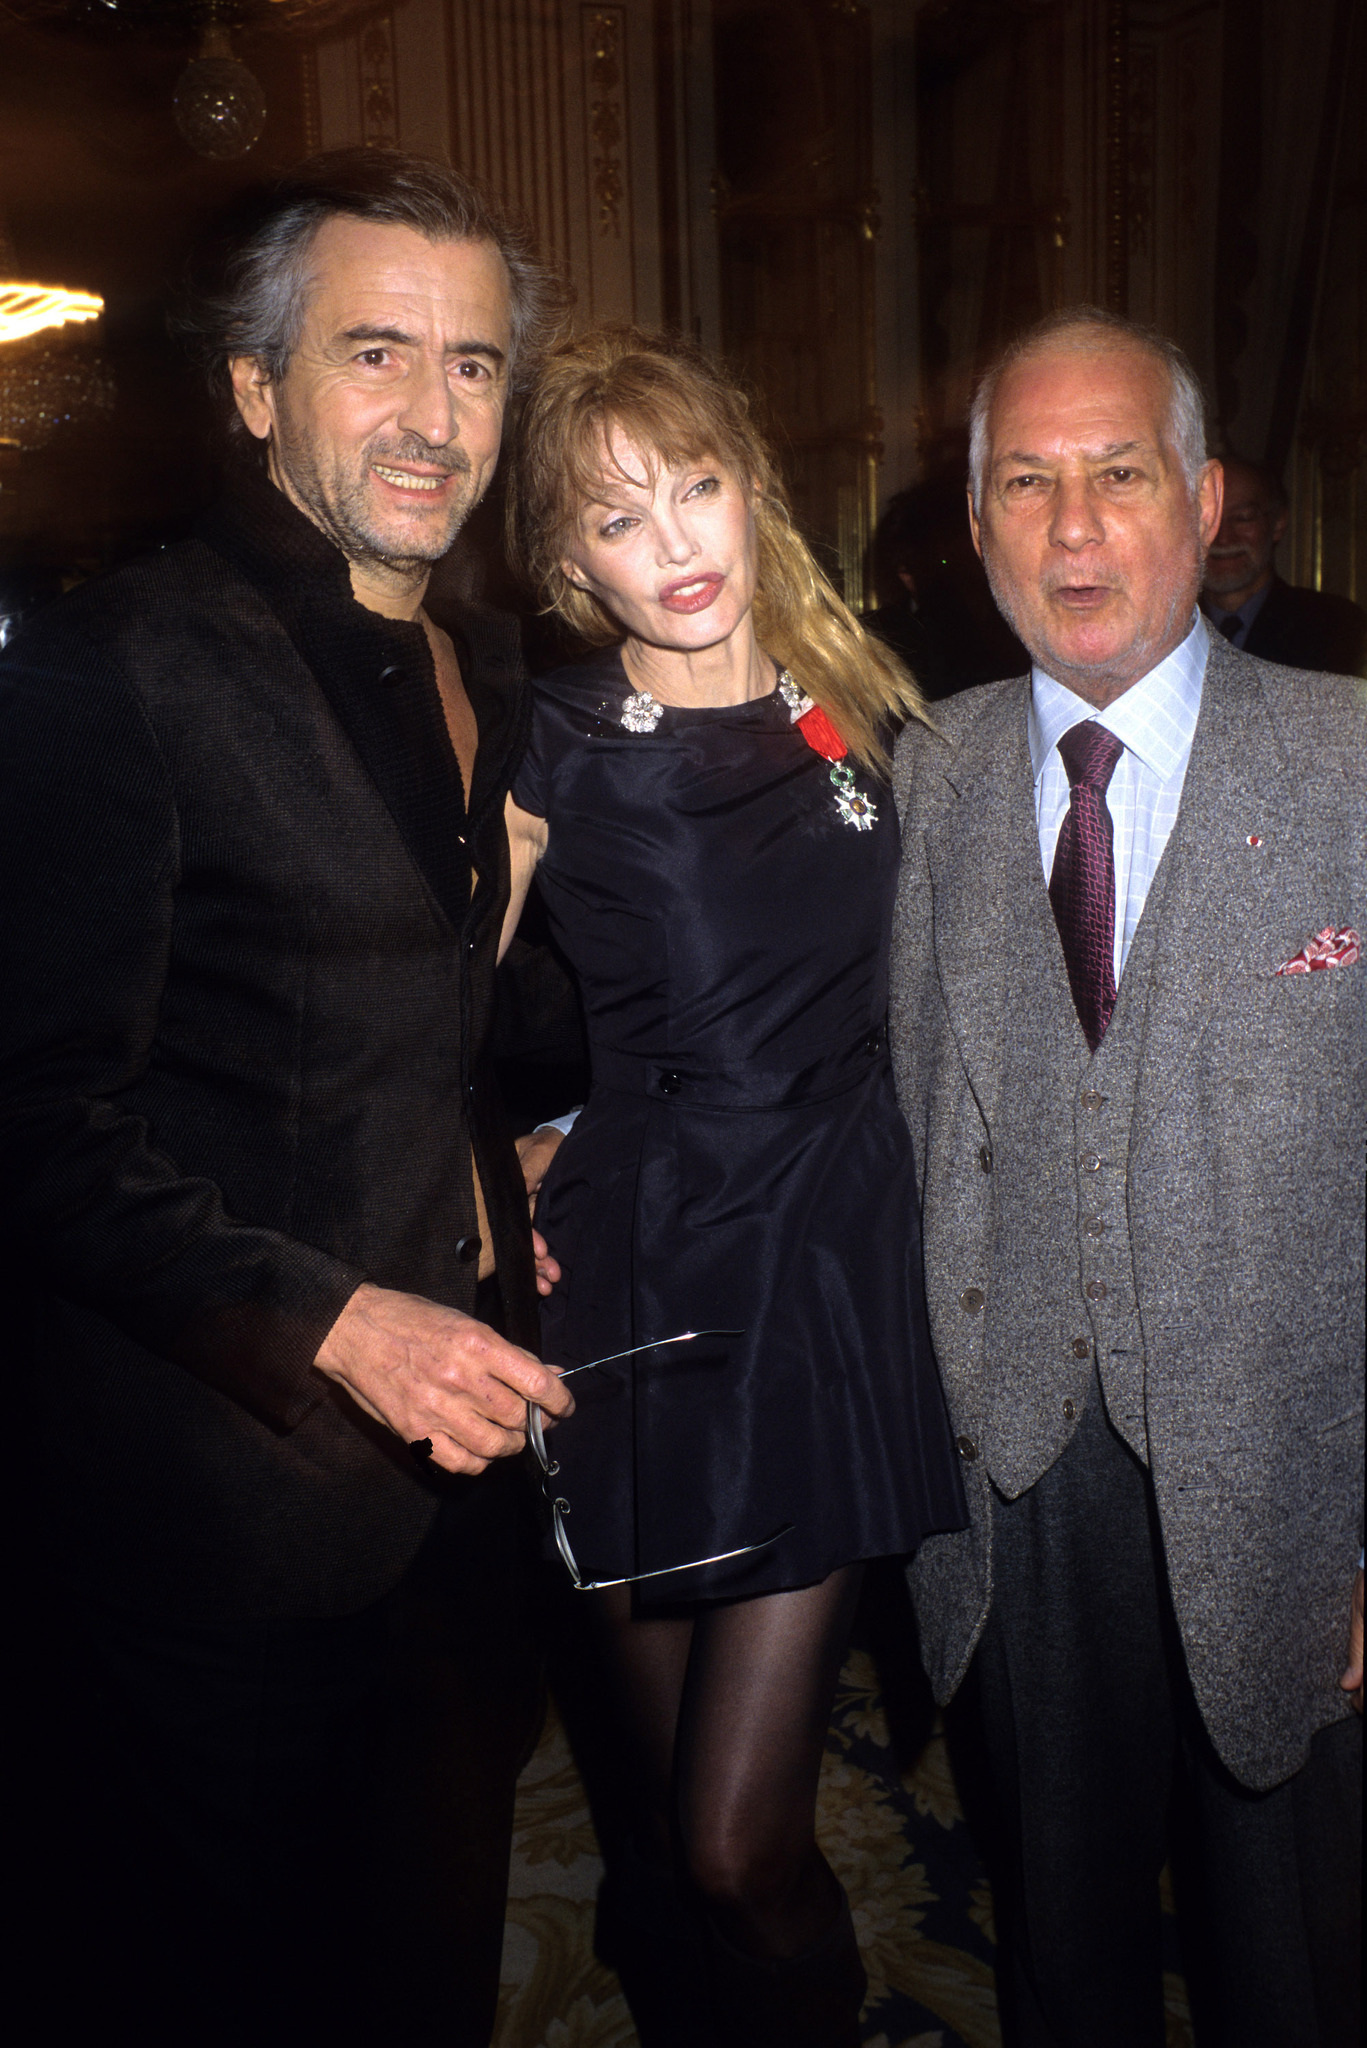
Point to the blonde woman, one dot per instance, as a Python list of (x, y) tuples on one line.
[(705, 806)]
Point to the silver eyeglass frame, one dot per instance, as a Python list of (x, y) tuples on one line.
[(560, 1507)]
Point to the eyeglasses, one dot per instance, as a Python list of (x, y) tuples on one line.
[(560, 1507)]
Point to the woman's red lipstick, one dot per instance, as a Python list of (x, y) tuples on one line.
[(691, 593)]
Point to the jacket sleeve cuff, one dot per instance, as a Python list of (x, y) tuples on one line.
[(259, 1348)]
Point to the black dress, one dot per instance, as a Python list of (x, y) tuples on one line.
[(741, 1163)]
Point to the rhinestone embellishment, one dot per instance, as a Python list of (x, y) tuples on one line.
[(641, 713)]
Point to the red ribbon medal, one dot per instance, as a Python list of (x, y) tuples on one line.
[(822, 737)]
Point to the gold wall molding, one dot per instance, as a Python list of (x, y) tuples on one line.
[(309, 100), (379, 99), (1117, 157), (607, 115)]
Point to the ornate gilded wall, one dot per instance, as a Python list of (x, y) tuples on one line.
[(856, 199), (559, 104)]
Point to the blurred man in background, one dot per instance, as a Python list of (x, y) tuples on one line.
[(1250, 603)]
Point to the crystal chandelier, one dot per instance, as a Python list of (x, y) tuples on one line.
[(27, 309), (46, 379), (218, 103)]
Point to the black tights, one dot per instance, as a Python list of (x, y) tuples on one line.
[(726, 1714)]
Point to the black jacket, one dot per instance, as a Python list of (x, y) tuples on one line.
[(1309, 629), (246, 995)]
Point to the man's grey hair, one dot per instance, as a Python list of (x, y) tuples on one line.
[(247, 293), (1092, 328)]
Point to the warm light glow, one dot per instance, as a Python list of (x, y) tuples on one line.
[(28, 308)]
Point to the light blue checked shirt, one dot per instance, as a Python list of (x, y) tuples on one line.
[(1154, 721)]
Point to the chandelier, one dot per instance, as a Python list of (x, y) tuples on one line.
[(26, 309), (218, 103), (47, 378)]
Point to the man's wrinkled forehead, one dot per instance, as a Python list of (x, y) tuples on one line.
[(1107, 398), (353, 272)]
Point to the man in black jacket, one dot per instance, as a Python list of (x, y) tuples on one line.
[(255, 1171), (1249, 602)]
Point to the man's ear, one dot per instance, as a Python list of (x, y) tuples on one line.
[(1279, 519), (255, 395), (974, 528), (1210, 502)]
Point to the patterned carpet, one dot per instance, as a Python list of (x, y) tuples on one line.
[(896, 1837)]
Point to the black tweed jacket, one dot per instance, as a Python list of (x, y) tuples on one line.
[(248, 930)]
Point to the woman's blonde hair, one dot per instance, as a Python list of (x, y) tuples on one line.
[(667, 398)]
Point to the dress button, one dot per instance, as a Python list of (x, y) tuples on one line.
[(468, 1250), (1095, 1226), (873, 1041), (1090, 1162), (1082, 1347), (392, 674), (1091, 1099), (966, 1448), (985, 1158), (1069, 1411), (971, 1300), (1096, 1290), (670, 1084)]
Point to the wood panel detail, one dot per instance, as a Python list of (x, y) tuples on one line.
[(379, 98)]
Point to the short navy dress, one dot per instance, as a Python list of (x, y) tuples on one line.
[(741, 1163)]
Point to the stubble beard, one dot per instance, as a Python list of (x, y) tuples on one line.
[(336, 499), (1233, 572)]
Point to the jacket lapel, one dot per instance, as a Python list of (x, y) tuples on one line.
[(1207, 897), (997, 949), (378, 678)]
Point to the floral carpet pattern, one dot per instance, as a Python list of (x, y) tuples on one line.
[(896, 1839)]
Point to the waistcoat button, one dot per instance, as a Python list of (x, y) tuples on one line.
[(468, 1250), (1069, 1410), (1090, 1162), (1091, 1099), (670, 1084), (1082, 1347), (966, 1448), (971, 1300), (985, 1158), (392, 674), (1095, 1226), (1096, 1290)]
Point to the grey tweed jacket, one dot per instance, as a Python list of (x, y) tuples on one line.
[(1206, 1165)]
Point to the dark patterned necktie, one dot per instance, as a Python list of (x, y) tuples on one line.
[(1232, 625), (1082, 885)]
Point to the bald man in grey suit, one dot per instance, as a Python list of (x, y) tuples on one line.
[(1128, 1019)]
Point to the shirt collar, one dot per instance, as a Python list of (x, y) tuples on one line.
[(1247, 611), (1155, 719)]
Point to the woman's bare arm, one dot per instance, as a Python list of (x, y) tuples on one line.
[(527, 841)]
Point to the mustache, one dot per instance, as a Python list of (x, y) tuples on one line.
[(412, 448)]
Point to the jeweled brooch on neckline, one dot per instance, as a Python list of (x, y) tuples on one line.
[(641, 713), (821, 736)]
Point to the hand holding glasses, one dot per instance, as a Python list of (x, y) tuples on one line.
[(560, 1507)]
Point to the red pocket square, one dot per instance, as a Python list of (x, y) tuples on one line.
[(1327, 949)]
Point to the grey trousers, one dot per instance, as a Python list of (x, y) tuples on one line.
[(1099, 1765)]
